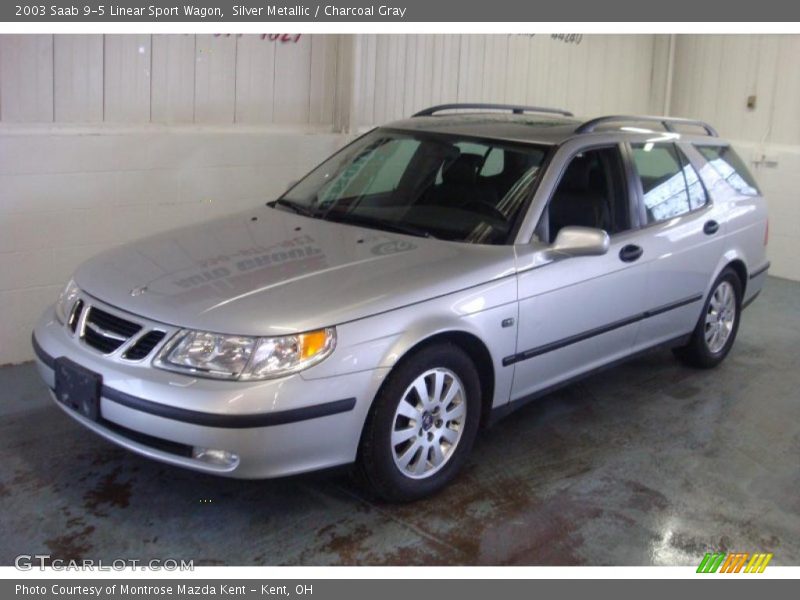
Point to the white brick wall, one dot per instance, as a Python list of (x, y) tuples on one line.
[(69, 193)]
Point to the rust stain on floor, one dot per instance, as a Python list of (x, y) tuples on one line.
[(354, 544), (502, 522), (645, 498), (109, 493), (71, 546), (347, 546)]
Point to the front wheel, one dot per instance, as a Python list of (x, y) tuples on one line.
[(716, 329), (422, 425)]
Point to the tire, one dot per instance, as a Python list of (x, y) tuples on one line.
[(704, 351), (398, 457)]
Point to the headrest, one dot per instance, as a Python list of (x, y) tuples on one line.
[(518, 162), (577, 176), (463, 170), (597, 179)]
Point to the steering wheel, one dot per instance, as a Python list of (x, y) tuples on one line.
[(489, 210)]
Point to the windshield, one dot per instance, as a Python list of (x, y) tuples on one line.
[(425, 184)]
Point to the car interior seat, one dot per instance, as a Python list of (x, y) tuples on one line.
[(581, 197), (460, 185)]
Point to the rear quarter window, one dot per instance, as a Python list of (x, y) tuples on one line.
[(724, 166)]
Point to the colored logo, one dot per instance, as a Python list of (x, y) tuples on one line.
[(734, 562)]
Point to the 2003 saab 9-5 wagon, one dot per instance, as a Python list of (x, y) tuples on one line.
[(428, 278)]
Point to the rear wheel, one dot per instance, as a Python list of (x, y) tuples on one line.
[(716, 329), (422, 425)]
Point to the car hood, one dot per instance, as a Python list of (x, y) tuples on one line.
[(271, 272)]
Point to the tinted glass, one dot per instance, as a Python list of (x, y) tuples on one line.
[(425, 184), (670, 185), (492, 159), (728, 167), (493, 165), (591, 193)]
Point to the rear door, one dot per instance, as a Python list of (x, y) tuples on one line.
[(682, 235)]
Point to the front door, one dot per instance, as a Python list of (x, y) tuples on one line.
[(576, 314)]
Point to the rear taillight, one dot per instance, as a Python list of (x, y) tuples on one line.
[(766, 234)]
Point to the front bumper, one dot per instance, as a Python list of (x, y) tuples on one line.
[(275, 428)]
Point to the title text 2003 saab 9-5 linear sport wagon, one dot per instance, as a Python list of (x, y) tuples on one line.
[(428, 278)]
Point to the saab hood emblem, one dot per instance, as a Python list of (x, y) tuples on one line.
[(138, 291)]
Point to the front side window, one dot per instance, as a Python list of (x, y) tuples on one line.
[(591, 193), (724, 165), (670, 185), (427, 184)]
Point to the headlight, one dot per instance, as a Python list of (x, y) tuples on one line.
[(245, 358), (66, 301)]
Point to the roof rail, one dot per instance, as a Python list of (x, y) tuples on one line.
[(666, 122), (514, 108)]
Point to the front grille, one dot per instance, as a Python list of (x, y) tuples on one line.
[(100, 342), (144, 345), (106, 332), (75, 316), (113, 323)]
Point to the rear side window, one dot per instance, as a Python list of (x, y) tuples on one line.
[(727, 166), (493, 164), (670, 185)]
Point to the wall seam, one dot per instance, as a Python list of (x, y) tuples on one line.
[(53, 78)]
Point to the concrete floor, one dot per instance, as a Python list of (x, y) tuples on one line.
[(649, 463)]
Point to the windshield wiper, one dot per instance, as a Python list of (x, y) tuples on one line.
[(295, 206), (372, 222)]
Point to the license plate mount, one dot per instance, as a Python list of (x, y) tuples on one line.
[(78, 388)]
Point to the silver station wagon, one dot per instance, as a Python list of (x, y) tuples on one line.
[(426, 280)]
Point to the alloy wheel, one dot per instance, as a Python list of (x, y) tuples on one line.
[(428, 423), (720, 317)]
